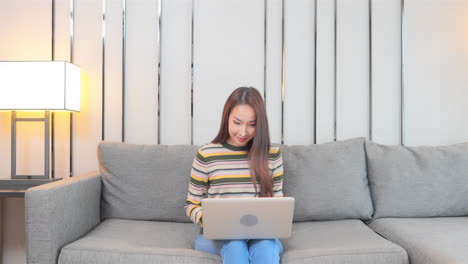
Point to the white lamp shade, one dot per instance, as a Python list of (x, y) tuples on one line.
[(39, 85)]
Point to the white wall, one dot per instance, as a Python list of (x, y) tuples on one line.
[(233, 43)]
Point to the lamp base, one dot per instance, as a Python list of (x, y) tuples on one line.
[(17, 187)]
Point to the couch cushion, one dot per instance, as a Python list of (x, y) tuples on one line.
[(418, 181), (328, 181), (428, 240), (145, 182), (336, 242), (130, 241)]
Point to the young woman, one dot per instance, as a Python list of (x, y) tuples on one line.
[(240, 162)]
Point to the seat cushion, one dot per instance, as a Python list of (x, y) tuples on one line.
[(328, 181), (145, 182), (439, 240), (344, 241), (130, 241), (418, 181)]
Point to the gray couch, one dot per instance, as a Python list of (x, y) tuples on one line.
[(356, 202)]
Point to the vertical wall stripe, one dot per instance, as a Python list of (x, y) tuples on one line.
[(46, 144), (335, 69), (103, 68), (315, 72), (13, 145), (52, 145), (370, 69), (282, 71), (159, 70), (402, 76), (191, 77), (124, 39), (53, 32), (72, 39)]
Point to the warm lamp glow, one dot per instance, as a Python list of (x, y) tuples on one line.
[(39, 85)]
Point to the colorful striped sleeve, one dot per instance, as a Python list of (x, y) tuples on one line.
[(198, 186), (278, 174)]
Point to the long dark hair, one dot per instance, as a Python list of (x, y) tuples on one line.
[(259, 145)]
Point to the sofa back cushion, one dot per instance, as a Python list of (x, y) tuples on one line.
[(328, 181), (418, 181), (145, 182)]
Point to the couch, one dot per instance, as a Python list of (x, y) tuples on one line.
[(356, 202)]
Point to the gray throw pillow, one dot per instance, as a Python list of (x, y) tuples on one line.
[(145, 182), (328, 181), (418, 181)]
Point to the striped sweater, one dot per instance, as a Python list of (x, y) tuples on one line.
[(222, 171)]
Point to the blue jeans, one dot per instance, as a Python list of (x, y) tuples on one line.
[(242, 251)]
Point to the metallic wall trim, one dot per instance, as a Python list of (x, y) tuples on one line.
[(402, 76), (103, 67), (370, 70), (47, 144), (282, 70), (13, 144), (315, 71), (52, 148), (124, 51), (265, 6), (71, 144), (335, 88), (52, 53), (159, 69), (191, 81), (72, 40)]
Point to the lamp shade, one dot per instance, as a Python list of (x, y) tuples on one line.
[(39, 85)]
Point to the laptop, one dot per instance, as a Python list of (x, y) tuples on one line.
[(247, 218)]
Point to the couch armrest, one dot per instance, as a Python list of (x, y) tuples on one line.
[(58, 213)]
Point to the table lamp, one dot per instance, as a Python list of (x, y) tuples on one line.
[(37, 85)]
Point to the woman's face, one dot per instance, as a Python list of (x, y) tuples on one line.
[(242, 121)]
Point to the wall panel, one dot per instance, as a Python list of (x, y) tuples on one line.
[(352, 69), (141, 72), (435, 58), (274, 67), (386, 71), (176, 72), (62, 30), (113, 70), (61, 121), (228, 53), (88, 55), (325, 71), (299, 87)]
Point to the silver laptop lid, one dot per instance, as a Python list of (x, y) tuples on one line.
[(247, 218)]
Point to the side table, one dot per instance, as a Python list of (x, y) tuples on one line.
[(16, 188)]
